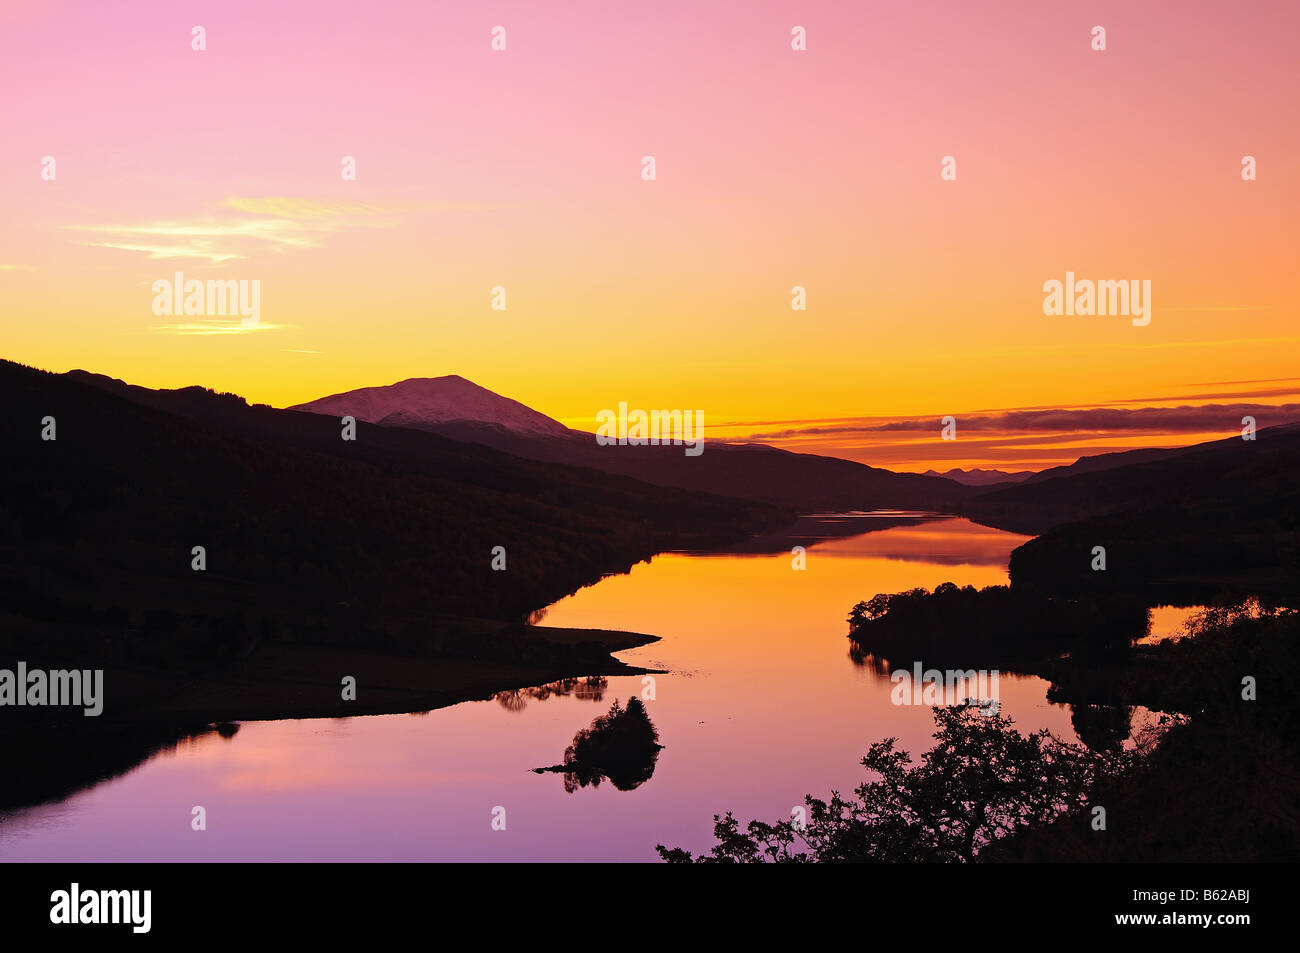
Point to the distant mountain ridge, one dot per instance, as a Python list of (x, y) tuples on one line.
[(1221, 513), (978, 477), (369, 505), (1113, 481), (461, 410)]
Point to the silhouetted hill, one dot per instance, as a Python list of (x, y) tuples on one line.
[(546, 491), (1220, 514), (1116, 481), (800, 481), (1108, 461), (1221, 786), (373, 543)]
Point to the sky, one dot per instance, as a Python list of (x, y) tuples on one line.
[(478, 168)]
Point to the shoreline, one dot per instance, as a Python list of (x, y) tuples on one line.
[(276, 682), (281, 680)]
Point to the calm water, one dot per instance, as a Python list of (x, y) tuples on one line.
[(759, 705)]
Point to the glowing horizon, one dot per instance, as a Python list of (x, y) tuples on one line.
[(775, 168)]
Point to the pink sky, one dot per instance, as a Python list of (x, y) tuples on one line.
[(775, 168)]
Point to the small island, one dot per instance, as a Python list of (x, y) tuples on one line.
[(621, 746)]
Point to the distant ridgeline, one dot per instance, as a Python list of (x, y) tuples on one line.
[(1178, 525), (107, 491)]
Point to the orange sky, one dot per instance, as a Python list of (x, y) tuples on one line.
[(775, 168)]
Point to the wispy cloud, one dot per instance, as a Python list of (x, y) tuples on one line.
[(221, 325), (1186, 419), (1015, 438), (242, 226), (197, 248), (1266, 380), (17, 267)]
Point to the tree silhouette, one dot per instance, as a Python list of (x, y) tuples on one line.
[(981, 782), (621, 745)]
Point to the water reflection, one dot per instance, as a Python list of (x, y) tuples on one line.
[(756, 704), (1102, 727), (72, 759), (591, 688), (621, 746), (1099, 727)]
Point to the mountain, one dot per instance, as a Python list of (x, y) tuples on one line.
[(435, 400), (1224, 514), (1108, 461), (979, 477), (1117, 481), (382, 544), (549, 492), (456, 408)]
